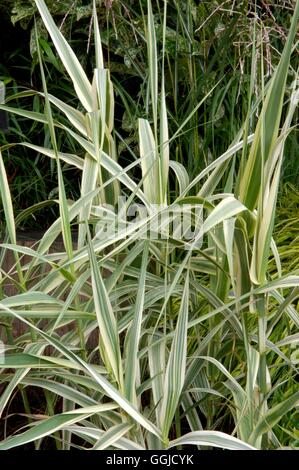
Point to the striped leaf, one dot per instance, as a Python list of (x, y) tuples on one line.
[(106, 320), (176, 367), (68, 57), (213, 439)]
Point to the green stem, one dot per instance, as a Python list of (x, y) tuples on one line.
[(262, 327)]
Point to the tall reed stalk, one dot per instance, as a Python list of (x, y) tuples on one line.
[(189, 336)]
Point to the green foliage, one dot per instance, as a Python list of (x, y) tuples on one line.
[(195, 345), (204, 42)]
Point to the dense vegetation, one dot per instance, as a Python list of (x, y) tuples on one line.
[(138, 339), (204, 43)]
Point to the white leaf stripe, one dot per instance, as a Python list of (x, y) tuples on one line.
[(69, 59)]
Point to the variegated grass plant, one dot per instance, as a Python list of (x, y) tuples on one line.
[(190, 342)]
